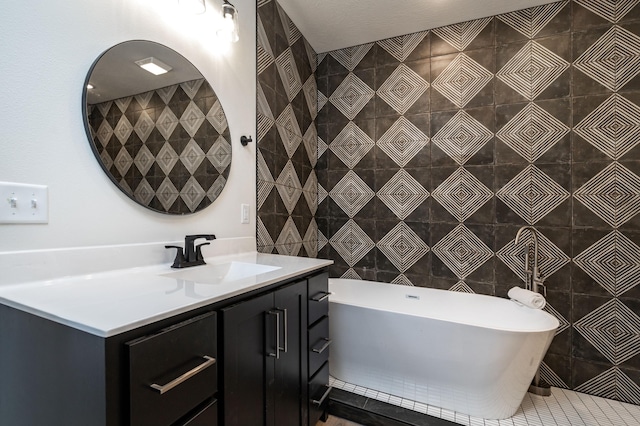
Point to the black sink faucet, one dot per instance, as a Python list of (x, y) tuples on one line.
[(192, 254)]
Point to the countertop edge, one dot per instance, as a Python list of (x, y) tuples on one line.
[(106, 333)]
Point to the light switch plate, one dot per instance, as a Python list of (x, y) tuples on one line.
[(23, 203), (244, 213)]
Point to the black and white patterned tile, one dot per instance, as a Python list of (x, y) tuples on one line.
[(461, 137), (170, 148), (462, 194), (402, 88), (532, 194), (536, 69), (531, 22), (406, 47), (611, 11), (532, 132), (612, 262), (460, 78), (462, 251), (611, 127), (402, 194), (402, 141), (463, 36), (613, 194), (402, 247), (434, 147)]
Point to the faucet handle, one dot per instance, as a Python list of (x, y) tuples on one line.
[(199, 251), (178, 262), (198, 236)]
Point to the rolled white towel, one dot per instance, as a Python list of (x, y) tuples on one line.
[(527, 297)]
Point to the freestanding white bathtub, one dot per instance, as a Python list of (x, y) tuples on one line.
[(464, 352)]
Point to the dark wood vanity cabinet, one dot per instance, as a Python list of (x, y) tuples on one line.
[(264, 358), (276, 356), (256, 359), (318, 348)]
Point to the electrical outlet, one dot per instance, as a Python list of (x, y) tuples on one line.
[(22, 203), (244, 213)]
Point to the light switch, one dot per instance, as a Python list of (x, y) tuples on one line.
[(22, 203), (244, 213)]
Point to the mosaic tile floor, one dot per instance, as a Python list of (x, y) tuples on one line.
[(562, 408)]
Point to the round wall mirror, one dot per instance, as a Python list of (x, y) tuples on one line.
[(157, 127)]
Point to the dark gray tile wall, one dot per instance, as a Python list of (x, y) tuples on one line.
[(435, 147), (287, 136)]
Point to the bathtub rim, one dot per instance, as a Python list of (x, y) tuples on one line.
[(546, 318)]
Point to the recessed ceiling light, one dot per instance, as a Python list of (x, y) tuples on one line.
[(153, 65)]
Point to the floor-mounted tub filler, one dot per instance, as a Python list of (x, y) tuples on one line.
[(468, 353)]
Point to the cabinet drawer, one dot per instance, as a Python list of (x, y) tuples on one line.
[(173, 371), (207, 416), (318, 297), (319, 343), (319, 394)]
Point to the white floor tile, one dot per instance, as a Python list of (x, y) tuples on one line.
[(395, 400), (476, 422), (462, 419), (370, 393), (421, 408), (407, 403), (562, 408), (349, 387), (448, 415), (384, 397), (434, 411)]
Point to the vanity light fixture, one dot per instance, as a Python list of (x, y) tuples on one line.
[(153, 65), (228, 32), (89, 86), (194, 6)]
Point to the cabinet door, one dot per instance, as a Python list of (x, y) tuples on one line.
[(243, 359), (286, 403)]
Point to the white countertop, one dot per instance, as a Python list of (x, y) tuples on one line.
[(110, 303)]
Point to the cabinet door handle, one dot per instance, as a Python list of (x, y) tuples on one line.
[(286, 330), (324, 396), (321, 349), (277, 353), (323, 295), (209, 361)]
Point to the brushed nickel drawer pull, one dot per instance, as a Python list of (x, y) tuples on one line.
[(323, 295), (209, 361), (286, 331), (278, 348), (319, 402), (321, 349)]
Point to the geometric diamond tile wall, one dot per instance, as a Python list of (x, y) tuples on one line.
[(287, 142), (435, 147), (169, 149)]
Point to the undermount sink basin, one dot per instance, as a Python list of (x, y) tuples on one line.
[(222, 273)]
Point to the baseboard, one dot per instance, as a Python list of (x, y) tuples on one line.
[(371, 412)]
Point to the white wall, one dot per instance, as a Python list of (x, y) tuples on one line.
[(46, 49)]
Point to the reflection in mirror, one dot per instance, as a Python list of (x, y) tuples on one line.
[(162, 139)]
